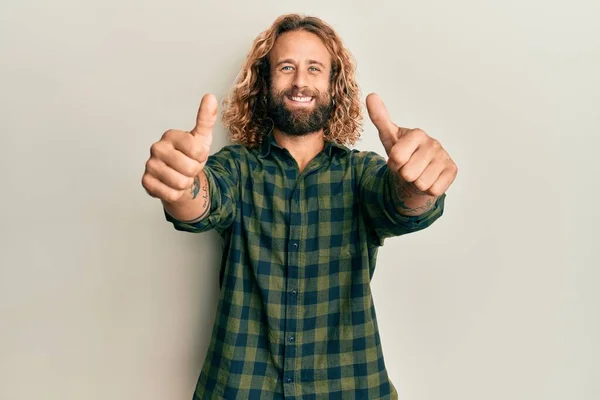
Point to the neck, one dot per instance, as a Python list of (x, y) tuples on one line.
[(302, 148)]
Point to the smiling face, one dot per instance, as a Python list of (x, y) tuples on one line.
[(299, 101)]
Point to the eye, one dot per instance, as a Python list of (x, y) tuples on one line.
[(315, 69), (287, 66)]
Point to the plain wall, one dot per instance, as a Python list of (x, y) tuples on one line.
[(100, 298)]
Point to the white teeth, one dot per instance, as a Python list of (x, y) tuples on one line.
[(302, 99)]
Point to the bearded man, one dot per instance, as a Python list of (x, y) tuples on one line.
[(301, 217)]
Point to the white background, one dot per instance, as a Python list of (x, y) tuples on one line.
[(100, 298)]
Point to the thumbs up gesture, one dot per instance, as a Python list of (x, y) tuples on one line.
[(178, 157), (418, 158)]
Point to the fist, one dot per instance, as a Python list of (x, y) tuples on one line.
[(415, 156), (179, 156)]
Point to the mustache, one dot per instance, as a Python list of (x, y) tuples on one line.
[(300, 93)]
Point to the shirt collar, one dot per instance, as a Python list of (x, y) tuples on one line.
[(269, 141)]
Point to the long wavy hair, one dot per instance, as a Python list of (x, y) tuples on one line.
[(245, 109)]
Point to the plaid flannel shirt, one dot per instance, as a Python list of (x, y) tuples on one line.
[(295, 317)]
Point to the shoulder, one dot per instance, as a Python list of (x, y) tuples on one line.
[(237, 157), (232, 150), (362, 159)]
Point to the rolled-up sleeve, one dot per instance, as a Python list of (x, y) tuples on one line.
[(377, 201), (222, 175)]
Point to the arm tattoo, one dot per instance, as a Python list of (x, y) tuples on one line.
[(199, 218), (205, 198), (404, 192), (205, 193), (196, 187)]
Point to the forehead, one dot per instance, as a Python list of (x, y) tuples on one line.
[(299, 46)]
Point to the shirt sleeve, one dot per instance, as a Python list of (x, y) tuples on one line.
[(377, 201), (222, 175)]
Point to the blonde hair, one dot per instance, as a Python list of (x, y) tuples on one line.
[(244, 114)]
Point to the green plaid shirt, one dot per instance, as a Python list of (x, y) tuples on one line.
[(295, 317)]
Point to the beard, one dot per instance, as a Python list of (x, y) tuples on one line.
[(299, 121)]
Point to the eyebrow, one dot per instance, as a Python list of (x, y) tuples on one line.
[(290, 61)]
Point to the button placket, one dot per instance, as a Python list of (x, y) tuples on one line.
[(291, 306)]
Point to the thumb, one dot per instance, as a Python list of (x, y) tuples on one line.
[(388, 131), (207, 116)]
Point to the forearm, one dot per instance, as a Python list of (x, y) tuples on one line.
[(409, 200), (195, 203)]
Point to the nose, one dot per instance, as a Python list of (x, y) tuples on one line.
[(300, 79)]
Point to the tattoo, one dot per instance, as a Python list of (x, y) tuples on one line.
[(205, 197), (405, 191), (205, 193), (196, 187), (199, 218)]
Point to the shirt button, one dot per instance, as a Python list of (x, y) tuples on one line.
[(294, 292), (295, 245), (289, 380), (291, 339), (290, 163)]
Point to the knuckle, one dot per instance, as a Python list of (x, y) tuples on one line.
[(168, 135), (147, 184), (173, 136), (183, 183), (158, 150), (155, 149), (408, 176), (186, 165), (151, 166), (419, 132), (193, 149), (186, 171), (435, 191), (420, 185), (396, 155), (415, 133), (199, 152), (171, 196), (192, 170), (401, 163)]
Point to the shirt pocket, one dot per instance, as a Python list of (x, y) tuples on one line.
[(337, 228)]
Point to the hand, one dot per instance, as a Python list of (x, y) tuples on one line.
[(414, 155), (178, 157)]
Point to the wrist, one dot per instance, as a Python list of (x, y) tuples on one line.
[(407, 198)]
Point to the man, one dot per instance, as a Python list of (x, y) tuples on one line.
[(301, 217)]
